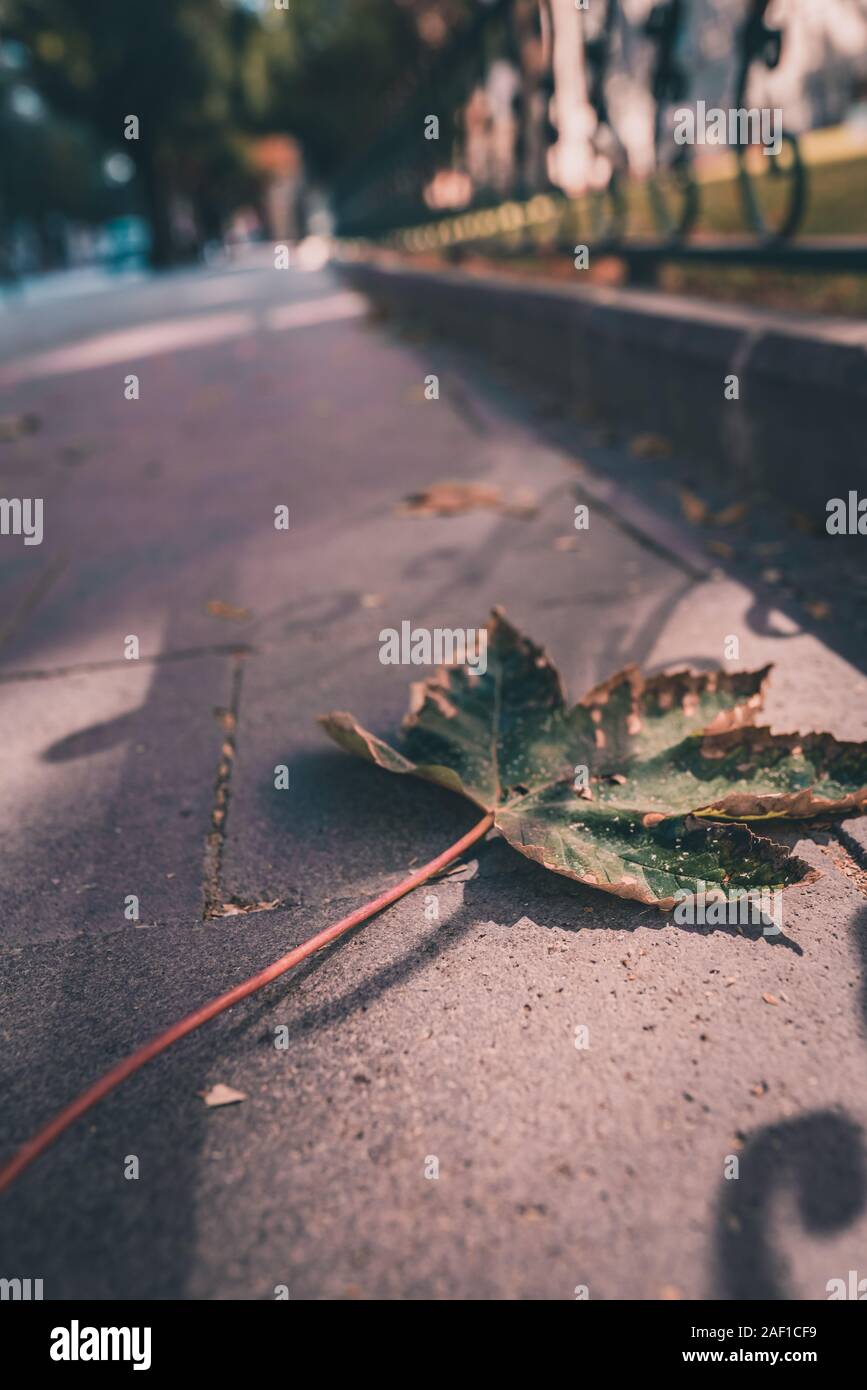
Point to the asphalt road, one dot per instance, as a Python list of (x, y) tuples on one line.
[(559, 1168)]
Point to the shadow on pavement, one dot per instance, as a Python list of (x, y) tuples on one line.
[(821, 1159)]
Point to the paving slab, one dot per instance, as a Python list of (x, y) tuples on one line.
[(107, 790), (453, 1041)]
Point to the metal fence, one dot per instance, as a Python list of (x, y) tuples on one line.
[(475, 136)]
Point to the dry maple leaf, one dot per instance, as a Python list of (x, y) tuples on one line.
[(452, 499), (671, 761), (14, 426), (650, 446), (230, 611)]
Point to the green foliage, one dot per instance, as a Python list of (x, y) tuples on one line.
[(185, 68)]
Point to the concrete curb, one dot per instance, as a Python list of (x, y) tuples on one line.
[(659, 362)]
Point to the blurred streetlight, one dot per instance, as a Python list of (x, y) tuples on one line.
[(118, 168), (26, 103)]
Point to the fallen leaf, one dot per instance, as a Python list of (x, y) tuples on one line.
[(230, 611), (693, 508), (650, 446), (233, 909), (14, 426), (452, 499), (532, 1212), (731, 515), (770, 999), (221, 1095), (818, 609), (675, 761)]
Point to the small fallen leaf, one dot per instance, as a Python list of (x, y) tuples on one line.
[(229, 611), (694, 509), (231, 909), (731, 515), (534, 1211), (818, 609), (650, 446), (770, 999), (221, 1095), (452, 499), (14, 426)]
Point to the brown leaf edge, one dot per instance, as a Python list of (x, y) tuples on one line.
[(798, 805), (684, 687)]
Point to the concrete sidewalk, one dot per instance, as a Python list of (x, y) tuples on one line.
[(412, 1040)]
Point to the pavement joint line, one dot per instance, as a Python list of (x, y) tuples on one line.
[(234, 649), (212, 867), (466, 409), (33, 598)]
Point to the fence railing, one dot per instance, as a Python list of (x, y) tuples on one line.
[(470, 148)]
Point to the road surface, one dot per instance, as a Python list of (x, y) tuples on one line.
[(563, 1172)]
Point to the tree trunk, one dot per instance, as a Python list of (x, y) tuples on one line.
[(155, 190)]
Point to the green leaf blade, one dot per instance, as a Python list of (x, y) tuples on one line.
[(650, 861)]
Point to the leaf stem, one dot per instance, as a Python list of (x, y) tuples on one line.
[(118, 1073)]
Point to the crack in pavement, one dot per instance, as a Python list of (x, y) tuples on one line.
[(212, 868), (33, 598)]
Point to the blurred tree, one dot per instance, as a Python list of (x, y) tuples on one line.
[(177, 65), (342, 69)]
